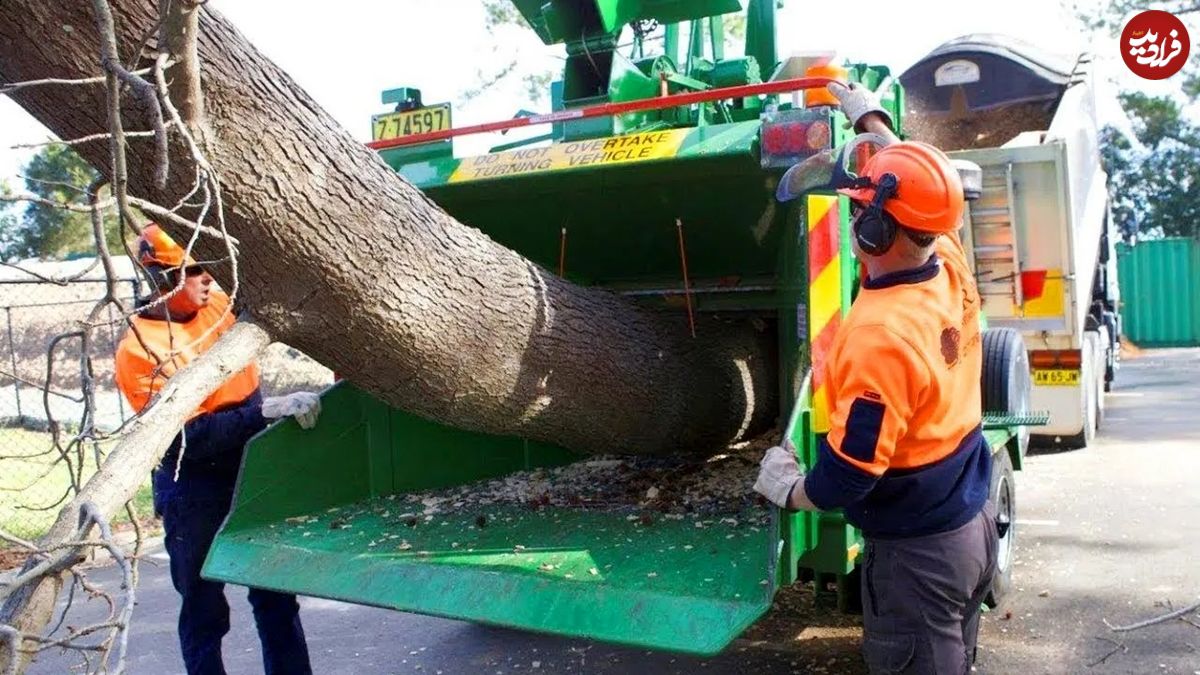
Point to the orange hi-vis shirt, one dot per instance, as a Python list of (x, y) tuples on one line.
[(905, 454), (140, 375)]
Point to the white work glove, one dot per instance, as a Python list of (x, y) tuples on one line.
[(858, 101), (305, 406), (778, 473)]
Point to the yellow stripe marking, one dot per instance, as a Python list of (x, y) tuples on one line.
[(820, 408), (825, 297), (818, 207)]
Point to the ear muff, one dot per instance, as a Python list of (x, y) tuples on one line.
[(159, 277), (874, 229)]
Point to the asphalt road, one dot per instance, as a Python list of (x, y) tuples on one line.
[(1110, 533)]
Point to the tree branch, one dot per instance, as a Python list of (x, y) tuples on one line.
[(85, 139), (31, 607), (1150, 622), (180, 20), (18, 86)]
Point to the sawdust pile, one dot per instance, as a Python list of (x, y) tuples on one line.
[(679, 486), (979, 129)]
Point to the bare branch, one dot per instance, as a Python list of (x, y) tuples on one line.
[(1117, 647), (149, 207), (85, 139), (62, 618), (108, 59), (53, 423), (1150, 622), (486, 82), (151, 430), (135, 455), (89, 511), (58, 281), (65, 206), (138, 537), (39, 385), (165, 215), (14, 539), (12, 636), (17, 86), (180, 20)]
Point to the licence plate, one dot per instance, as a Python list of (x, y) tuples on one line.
[(410, 122), (1056, 378)]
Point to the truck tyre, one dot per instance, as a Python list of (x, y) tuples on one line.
[(1006, 380), (1088, 398), (1114, 350), (1103, 355), (1003, 496)]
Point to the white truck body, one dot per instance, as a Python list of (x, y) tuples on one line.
[(1042, 247)]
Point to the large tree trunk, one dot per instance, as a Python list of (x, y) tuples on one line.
[(344, 260)]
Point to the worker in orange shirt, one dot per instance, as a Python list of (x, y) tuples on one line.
[(905, 455), (193, 485)]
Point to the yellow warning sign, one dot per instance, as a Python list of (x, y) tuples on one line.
[(576, 154)]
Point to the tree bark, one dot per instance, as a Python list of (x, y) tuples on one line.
[(343, 259)]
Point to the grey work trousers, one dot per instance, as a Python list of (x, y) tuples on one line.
[(921, 598)]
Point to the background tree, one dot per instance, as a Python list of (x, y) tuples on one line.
[(43, 231), (1155, 182), (9, 228)]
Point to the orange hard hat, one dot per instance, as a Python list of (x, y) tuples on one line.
[(929, 197), (156, 248)]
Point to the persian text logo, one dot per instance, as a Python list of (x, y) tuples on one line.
[(1155, 44)]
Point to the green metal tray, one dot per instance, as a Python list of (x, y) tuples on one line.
[(322, 513)]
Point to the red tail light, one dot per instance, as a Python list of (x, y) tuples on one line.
[(790, 136), (1054, 358), (795, 138)]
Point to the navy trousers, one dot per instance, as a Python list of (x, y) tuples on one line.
[(191, 523)]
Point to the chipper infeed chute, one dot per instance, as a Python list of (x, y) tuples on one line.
[(345, 511)]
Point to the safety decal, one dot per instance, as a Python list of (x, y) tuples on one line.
[(576, 154)]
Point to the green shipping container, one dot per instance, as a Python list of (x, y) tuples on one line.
[(1160, 292)]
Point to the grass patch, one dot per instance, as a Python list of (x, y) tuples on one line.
[(31, 481)]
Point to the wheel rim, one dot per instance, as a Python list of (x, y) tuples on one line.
[(1005, 525), (1019, 397)]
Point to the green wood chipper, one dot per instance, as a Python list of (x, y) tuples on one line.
[(657, 181)]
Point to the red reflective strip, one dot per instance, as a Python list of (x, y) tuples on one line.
[(609, 109), (820, 349), (1033, 284), (823, 243)]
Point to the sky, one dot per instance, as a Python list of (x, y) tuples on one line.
[(346, 53)]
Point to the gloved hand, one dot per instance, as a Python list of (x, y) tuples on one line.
[(778, 473), (305, 406), (858, 101)]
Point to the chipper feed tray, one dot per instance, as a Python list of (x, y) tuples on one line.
[(380, 508)]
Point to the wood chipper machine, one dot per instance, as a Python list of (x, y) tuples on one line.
[(656, 180)]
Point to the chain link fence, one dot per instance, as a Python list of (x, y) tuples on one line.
[(34, 476)]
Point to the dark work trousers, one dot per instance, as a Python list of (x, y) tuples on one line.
[(191, 522), (921, 598)]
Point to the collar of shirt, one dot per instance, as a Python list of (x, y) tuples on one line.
[(915, 275)]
